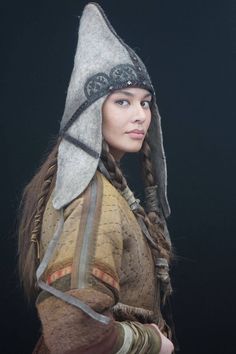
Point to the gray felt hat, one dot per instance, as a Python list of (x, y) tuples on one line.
[(102, 64)]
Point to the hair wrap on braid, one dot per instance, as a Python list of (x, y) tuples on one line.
[(150, 187)]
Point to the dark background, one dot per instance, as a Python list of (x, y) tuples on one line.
[(189, 48)]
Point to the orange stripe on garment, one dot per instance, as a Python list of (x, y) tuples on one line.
[(106, 278), (59, 274)]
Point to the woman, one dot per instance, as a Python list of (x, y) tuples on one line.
[(100, 262)]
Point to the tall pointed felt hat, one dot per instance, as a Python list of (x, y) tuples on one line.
[(102, 64)]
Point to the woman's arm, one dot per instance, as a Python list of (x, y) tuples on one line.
[(87, 266), (68, 330)]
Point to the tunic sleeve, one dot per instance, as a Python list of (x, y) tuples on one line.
[(86, 265)]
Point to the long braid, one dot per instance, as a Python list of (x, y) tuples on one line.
[(161, 249), (117, 176), (120, 183), (159, 223), (42, 203), (30, 228)]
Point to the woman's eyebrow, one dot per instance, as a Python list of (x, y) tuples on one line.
[(147, 95), (127, 93)]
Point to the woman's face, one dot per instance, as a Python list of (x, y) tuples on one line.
[(126, 119)]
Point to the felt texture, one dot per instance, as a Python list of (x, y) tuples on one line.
[(99, 50), (159, 159), (76, 168)]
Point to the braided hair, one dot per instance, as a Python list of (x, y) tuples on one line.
[(33, 203), (161, 248)]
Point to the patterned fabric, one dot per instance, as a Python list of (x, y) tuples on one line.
[(117, 253), (105, 278), (122, 75), (111, 269), (58, 274)]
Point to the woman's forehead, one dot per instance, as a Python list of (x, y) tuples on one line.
[(132, 92)]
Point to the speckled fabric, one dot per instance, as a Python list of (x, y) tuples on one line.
[(118, 275), (118, 247)]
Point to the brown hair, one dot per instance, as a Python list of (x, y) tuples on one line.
[(32, 206)]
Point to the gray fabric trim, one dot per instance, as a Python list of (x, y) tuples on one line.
[(155, 139), (87, 235), (59, 294), (77, 113), (51, 247), (75, 302)]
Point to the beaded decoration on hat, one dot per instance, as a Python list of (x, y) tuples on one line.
[(103, 63)]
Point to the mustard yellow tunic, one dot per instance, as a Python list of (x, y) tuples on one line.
[(104, 261)]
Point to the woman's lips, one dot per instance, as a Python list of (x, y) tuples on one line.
[(136, 134)]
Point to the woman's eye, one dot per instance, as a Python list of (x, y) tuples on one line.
[(146, 104), (122, 102)]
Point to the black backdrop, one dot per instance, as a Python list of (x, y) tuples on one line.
[(189, 48)]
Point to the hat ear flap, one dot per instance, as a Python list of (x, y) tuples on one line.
[(78, 155), (158, 159)]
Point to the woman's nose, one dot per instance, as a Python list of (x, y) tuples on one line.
[(139, 114)]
